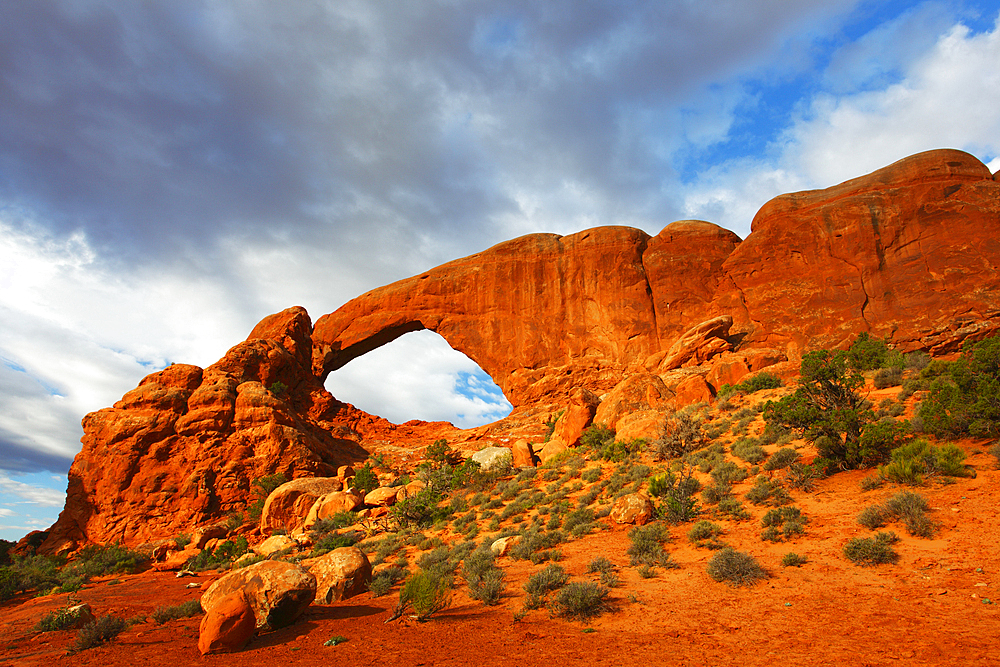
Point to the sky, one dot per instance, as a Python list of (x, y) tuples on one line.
[(172, 171)]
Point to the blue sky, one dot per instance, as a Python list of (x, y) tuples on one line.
[(173, 171)]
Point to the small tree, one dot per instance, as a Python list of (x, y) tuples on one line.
[(828, 409), (966, 398)]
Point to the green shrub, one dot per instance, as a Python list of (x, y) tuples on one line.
[(963, 398), (735, 568), (677, 491), (917, 360), (793, 560), (383, 580), (365, 480), (440, 452), (426, 593), (910, 462), (869, 551), (866, 353), (596, 437), (888, 377), (591, 475), (703, 531), (580, 600), (419, 510), (749, 450), (97, 632), (759, 382), (827, 408), (60, 619), (734, 509), (222, 556), (781, 459), (485, 579), (184, 610), (600, 564), (769, 492), (801, 476), (551, 578), (647, 545)]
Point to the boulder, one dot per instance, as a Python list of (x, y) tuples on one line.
[(202, 535), (82, 614), (228, 626), (287, 507), (644, 424), (277, 591), (504, 544), (550, 449), (579, 414), (383, 496), (642, 391), (330, 504), (699, 344), (632, 508), (175, 560), (692, 389), (524, 457), (490, 458), (341, 574), (274, 544)]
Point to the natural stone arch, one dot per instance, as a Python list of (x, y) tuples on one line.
[(419, 376)]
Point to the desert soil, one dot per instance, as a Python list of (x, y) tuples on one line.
[(934, 607)]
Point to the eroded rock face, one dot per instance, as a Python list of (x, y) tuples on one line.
[(182, 448), (910, 252)]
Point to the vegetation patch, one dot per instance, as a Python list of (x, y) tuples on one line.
[(580, 600), (735, 568), (870, 551)]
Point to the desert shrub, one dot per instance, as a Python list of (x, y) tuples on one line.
[(964, 398), (552, 577), (867, 353), (801, 476), (419, 510), (383, 580), (426, 593), (222, 556), (681, 434), (98, 560), (793, 560), (591, 475), (917, 361), (620, 450), (910, 462), (534, 541), (888, 377), (704, 534), (600, 564), (184, 610), (579, 522), (596, 437), (715, 492), (759, 382), (768, 492), (485, 579), (334, 540), (749, 450), (647, 545), (905, 506), (338, 520), (782, 523), (580, 600), (734, 509), (677, 491), (782, 458), (97, 632), (827, 408), (871, 482), (260, 489), (869, 551), (60, 619), (365, 480), (735, 568), (440, 452)]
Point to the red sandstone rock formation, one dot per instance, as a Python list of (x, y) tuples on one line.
[(910, 252), (182, 448)]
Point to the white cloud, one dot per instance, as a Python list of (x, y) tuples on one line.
[(419, 376), (945, 98), (30, 493)]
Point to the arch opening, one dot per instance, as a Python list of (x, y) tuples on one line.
[(420, 376)]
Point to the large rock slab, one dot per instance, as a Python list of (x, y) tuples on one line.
[(278, 592), (489, 458), (228, 626)]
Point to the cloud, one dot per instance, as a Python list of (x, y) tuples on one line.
[(941, 97), (28, 493), (420, 375)]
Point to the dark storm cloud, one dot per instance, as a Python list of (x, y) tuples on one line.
[(159, 125)]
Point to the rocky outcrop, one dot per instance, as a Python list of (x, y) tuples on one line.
[(182, 448), (910, 252), (287, 507), (228, 626), (341, 574)]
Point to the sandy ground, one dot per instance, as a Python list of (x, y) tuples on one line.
[(934, 607)]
